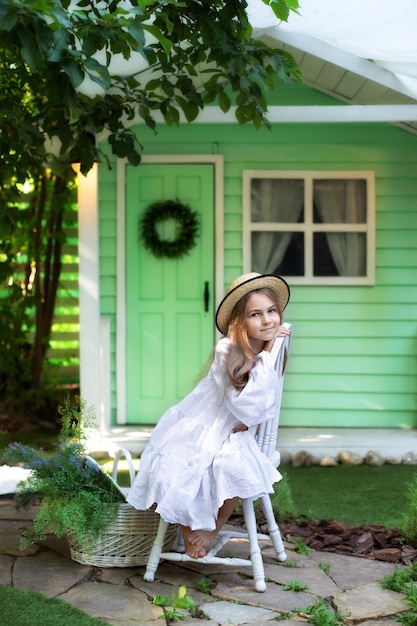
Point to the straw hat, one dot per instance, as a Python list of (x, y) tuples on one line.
[(241, 286)]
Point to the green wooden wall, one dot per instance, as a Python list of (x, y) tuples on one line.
[(354, 354), (108, 261)]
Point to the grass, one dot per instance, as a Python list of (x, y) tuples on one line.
[(351, 494), (21, 607)]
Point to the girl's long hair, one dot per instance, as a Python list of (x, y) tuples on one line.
[(241, 356)]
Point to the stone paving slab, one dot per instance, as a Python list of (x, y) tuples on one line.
[(8, 511), (350, 572), (369, 602), (164, 589), (10, 536), (226, 613), (6, 566), (117, 575), (172, 573), (273, 598), (379, 622), (317, 581), (292, 622), (48, 573), (59, 545), (116, 604), (293, 558)]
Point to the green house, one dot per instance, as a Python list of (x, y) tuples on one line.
[(327, 198)]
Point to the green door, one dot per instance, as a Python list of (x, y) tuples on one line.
[(169, 302)]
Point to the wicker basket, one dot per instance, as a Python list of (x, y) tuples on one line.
[(128, 540)]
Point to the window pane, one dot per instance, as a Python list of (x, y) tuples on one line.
[(277, 200), (339, 201), (339, 254), (278, 253)]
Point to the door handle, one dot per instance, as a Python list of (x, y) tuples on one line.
[(206, 296)]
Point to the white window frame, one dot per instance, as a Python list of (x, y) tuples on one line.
[(309, 227)]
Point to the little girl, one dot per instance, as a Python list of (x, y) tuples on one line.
[(201, 457)]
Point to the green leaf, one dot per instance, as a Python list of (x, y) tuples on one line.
[(8, 19), (98, 73), (173, 116), (224, 101), (30, 53), (136, 30), (189, 108), (74, 116), (155, 32), (282, 8), (74, 72), (91, 43), (167, 87)]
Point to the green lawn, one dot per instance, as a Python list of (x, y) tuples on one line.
[(360, 494)]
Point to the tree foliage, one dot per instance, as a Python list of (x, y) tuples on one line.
[(143, 57), (75, 70)]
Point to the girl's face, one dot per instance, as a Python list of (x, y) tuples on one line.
[(262, 319)]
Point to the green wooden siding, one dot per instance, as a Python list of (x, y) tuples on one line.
[(354, 353), (107, 197)]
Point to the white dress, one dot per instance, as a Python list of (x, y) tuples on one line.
[(194, 462)]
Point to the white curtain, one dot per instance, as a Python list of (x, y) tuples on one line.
[(344, 202), (273, 200)]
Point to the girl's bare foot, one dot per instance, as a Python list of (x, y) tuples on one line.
[(198, 542), (202, 538), (195, 551)]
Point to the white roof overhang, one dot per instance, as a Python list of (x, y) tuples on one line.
[(360, 52)]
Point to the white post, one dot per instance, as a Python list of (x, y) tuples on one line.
[(88, 251)]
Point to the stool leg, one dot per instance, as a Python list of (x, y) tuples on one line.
[(273, 529), (155, 554), (255, 552)]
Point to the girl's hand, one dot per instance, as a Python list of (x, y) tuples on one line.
[(239, 428), (281, 332)]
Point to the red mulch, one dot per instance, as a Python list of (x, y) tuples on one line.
[(370, 541)]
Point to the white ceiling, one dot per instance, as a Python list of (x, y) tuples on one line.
[(362, 52)]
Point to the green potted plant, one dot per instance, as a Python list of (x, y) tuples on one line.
[(77, 497), (80, 500)]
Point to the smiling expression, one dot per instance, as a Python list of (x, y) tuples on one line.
[(262, 319)]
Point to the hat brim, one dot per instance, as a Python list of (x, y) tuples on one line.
[(264, 281)]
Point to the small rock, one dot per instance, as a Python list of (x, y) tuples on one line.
[(392, 460), (328, 461), (304, 459), (286, 457), (374, 458), (349, 458), (409, 458)]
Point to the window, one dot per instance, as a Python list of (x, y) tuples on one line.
[(311, 227)]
